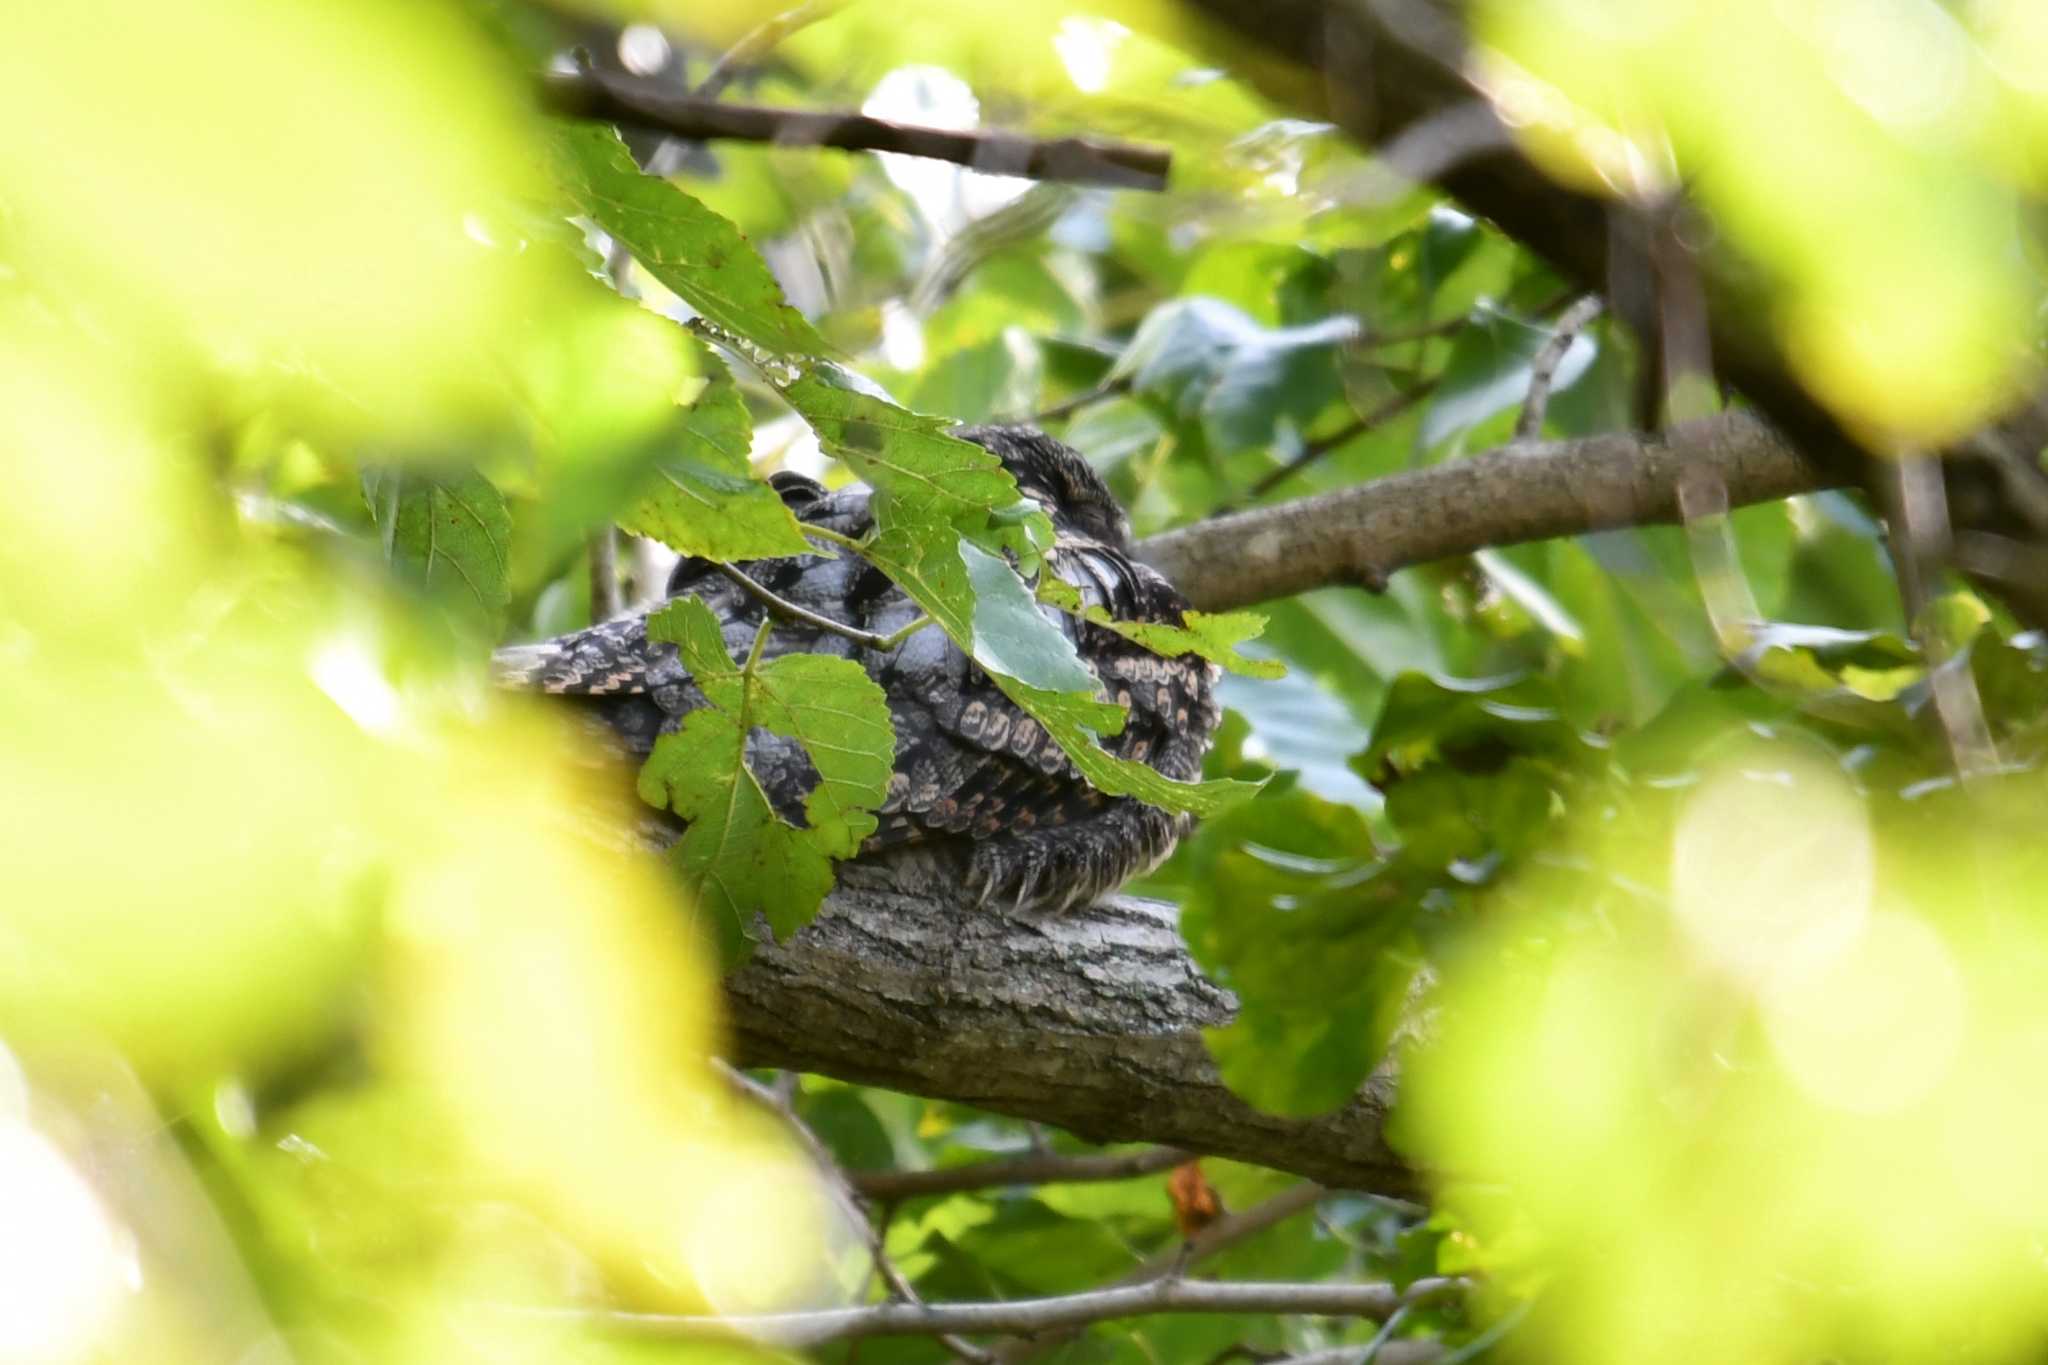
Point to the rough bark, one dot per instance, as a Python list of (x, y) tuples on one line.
[(1526, 492), (1090, 1020)]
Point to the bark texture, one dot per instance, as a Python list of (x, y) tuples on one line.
[(1090, 1020), (1533, 491)]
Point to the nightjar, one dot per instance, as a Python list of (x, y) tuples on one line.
[(981, 799)]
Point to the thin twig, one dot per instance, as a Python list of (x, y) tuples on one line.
[(875, 1233), (604, 575), (782, 607), (1337, 440), (1543, 369), (1428, 331), (1923, 546), (1169, 1265), (1024, 1170), (759, 41), (1108, 388), (593, 94), (1041, 1317)]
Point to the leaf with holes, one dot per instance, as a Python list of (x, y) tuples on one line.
[(740, 854), (702, 257)]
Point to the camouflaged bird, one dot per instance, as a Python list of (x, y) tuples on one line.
[(981, 796)]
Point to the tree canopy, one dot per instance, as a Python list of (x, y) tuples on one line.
[(1602, 445)]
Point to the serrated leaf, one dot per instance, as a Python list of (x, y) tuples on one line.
[(703, 499), (739, 854), (841, 717), (691, 627), (698, 254), (922, 473), (453, 533), (1210, 636), (1074, 721)]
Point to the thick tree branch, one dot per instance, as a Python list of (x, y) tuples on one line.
[(593, 94), (1523, 492), (1374, 1300), (1090, 1020), (1385, 69)]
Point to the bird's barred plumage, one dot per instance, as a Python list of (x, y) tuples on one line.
[(981, 796)]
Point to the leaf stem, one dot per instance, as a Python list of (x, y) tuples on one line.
[(830, 537), (760, 643), (779, 606), (895, 638)]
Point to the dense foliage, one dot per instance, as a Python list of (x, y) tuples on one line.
[(1692, 879)]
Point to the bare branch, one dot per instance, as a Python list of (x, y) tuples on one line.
[(594, 94), (1223, 1233), (1375, 1300), (1543, 369), (778, 1102), (1024, 1170), (1415, 1352), (1361, 535), (1316, 450)]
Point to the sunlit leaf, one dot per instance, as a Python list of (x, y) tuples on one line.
[(1207, 635), (691, 250), (703, 499)]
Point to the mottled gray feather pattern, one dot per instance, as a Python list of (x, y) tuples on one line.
[(981, 795)]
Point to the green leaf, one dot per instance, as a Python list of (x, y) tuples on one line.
[(454, 534), (699, 255), (923, 474), (841, 717), (1275, 283), (1476, 725), (739, 855), (1214, 637), (1210, 360), (703, 499), (1010, 634), (1489, 372), (1290, 906)]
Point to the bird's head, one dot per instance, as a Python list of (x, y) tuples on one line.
[(1058, 478)]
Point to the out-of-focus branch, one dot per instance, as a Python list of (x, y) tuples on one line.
[(1218, 1236), (594, 94), (759, 41), (1543, 368), (1374, 1300), (1022, 1170), (1534, 491)]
